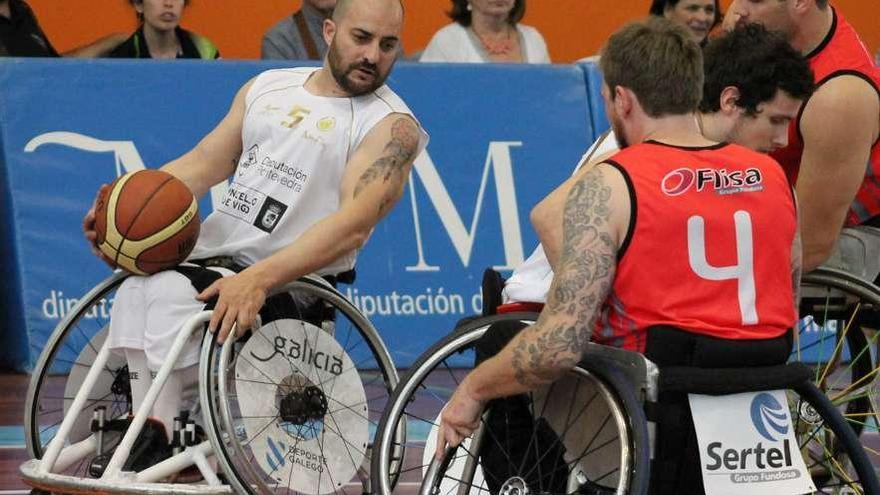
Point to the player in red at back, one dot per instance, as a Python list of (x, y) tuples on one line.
[(833, 156)]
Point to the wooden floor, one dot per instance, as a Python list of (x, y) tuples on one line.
[(13, 389)]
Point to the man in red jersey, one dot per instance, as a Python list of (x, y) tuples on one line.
[(648, 215), (835, 140)]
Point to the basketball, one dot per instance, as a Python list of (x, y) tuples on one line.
[(146, 221)]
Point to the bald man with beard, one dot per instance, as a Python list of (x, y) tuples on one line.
[(353, 141)]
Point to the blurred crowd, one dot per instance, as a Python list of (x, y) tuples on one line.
[(159, 34), (480, 31)]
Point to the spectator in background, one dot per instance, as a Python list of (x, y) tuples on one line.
[(160, 34), (299, 36), (22, 36), (698, 16), (487, 31)]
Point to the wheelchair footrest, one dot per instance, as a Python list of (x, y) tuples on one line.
[(58, 483), (722, 381)]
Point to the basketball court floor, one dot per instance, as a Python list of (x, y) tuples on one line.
[(13, 390)]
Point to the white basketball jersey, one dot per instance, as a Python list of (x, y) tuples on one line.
[(295, 149)]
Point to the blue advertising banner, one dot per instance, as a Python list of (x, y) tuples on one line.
[(593, 77), (502, 137)]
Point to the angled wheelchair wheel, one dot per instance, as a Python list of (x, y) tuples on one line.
[(834, 455), (293, 406), (837, 337), (61, 370), (585, 433)]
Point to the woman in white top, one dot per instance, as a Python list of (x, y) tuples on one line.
[(487, 31)]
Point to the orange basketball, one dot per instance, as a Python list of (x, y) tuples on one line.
[(146, 221)]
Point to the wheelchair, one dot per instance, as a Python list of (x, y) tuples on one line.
[(589, 432), (290, 408)]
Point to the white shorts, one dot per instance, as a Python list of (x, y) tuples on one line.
[(148, 312)]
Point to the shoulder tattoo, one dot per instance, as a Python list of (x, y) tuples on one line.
[(391, 167)]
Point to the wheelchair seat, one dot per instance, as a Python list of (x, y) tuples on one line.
[(491, 287)]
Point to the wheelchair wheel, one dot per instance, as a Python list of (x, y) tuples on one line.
[(62, 368), (294, 406), (545, 441), (833, 453), (837, 334)]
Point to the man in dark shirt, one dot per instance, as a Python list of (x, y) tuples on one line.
[(300, 36), (22, 36), (20, 33)]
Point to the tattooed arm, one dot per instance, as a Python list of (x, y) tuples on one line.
[(374, 179), (595, 218), (382, 179), (545, 217)]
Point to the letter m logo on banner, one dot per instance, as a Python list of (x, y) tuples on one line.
[(499, 161), (125, 154)]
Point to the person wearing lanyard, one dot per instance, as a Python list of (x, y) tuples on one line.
[(298, 36)]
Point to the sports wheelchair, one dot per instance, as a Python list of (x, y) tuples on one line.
[(592, 425), (290, 408)]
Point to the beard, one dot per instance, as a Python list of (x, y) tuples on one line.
[(619, 136), (781, 27), (342, 73)]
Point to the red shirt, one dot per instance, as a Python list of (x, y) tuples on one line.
[(840, 53), (708, 248)]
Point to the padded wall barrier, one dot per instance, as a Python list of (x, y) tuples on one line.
[(501, 138)]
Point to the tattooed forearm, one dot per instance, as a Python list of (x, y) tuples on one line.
[(540, 357), (392, 166), (581, 284)]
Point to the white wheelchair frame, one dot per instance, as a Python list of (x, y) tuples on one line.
[(43, 473)]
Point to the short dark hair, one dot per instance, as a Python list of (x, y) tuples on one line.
[(658, 7), (658, 61), (758, 63), (462, 15)]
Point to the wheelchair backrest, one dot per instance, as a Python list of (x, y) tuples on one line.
[(858, 252)]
